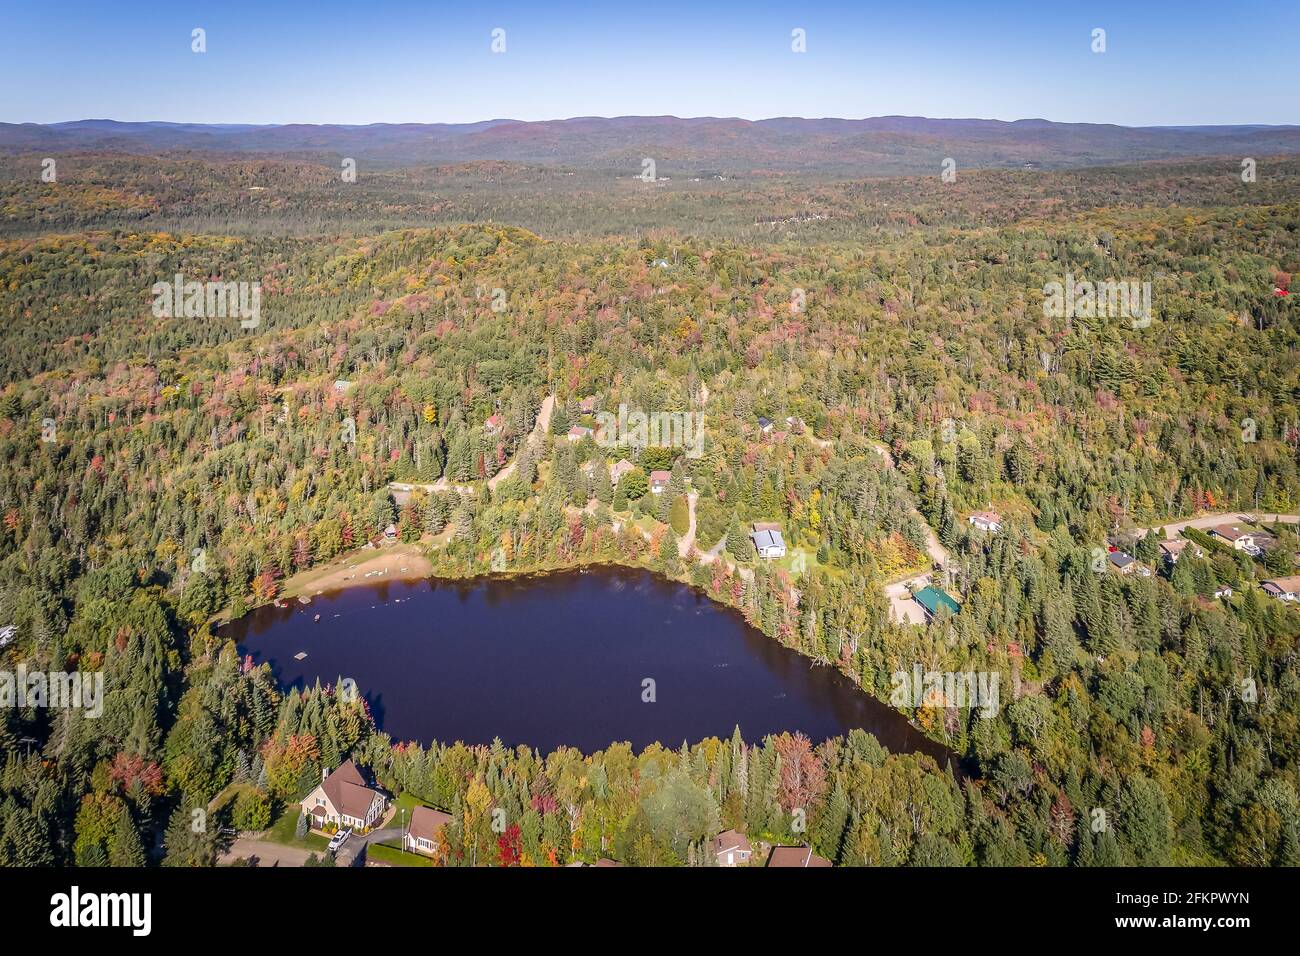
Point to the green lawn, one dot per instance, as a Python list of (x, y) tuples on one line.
[(810, 562), (406, 802), (395, 856), (283, 830)]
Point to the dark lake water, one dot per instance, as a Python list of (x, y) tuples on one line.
[(561, 659)]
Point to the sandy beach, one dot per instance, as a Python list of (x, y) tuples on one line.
[(387, 562)]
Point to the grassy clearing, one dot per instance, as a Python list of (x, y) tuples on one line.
[(395, 856), (284, 830)]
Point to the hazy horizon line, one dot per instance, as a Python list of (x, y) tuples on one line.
[(647, 116)]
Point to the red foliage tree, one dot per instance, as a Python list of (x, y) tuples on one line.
[(511, 846), (127, 770)]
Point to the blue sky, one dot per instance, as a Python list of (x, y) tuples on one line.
[(365, 62)]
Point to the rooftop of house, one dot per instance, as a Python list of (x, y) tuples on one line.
[(768, 539), (1290, 585), (797, 856), (347, 790), (932, 598), (1120, 559), (660, 477), (425, 822), (991, 517), (1230, 532), (731, 840)]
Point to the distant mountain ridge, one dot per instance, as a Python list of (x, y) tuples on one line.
[(681, 146)]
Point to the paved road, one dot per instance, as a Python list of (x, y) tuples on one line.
[(349, 852)]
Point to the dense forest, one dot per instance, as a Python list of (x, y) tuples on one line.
[(161, 475)]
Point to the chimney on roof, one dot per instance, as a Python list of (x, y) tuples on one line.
[(324, 772)]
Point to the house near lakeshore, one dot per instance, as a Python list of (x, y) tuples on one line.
[(587, 405), (659, 481), (731, 848), (579, 432), (932, 599), (1240, 540), (619, 469), (768, 542), (1284, 589), (796, 856), (343, 799), (989, 521), (424, 832)]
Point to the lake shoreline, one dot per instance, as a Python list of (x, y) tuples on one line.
[(774, 668), (342, 576)]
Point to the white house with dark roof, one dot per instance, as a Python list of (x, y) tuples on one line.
[(1284, 589), (731, 849), (1235, 536), (424, 832), (344, 800)]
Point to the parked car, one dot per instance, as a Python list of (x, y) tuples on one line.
[(339, 839)]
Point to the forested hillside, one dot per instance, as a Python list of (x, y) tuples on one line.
[(158, 475)]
